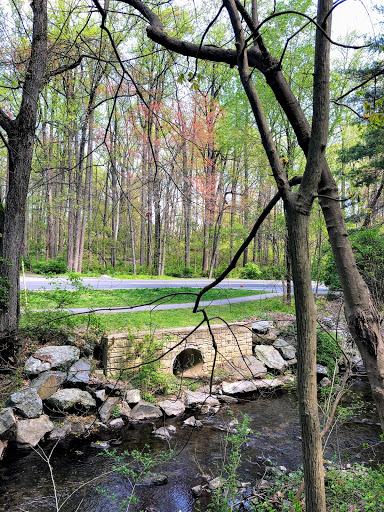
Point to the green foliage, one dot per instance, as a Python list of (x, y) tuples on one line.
[(250, 271), (134, 466), (50, 267), (328, 351), (368, 247)]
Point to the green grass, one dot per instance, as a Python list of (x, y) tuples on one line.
[(146, 320), (116, 298)]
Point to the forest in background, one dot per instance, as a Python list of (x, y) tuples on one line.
[(154, 165)]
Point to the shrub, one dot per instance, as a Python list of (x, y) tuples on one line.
[(328, 351), (50, 267), (250, 271)]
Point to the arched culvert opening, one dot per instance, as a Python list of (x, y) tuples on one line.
[(189, 360)]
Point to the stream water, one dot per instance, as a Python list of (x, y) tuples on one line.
[(25, 483)]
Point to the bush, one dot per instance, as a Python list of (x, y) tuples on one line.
[(250, 271), (50, 267), (328, 351)]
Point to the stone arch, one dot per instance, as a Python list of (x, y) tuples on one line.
[(187, 359)]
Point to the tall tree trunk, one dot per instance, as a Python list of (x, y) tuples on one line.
[(21, 138)]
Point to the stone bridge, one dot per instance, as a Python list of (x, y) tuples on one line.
[(181, 352)]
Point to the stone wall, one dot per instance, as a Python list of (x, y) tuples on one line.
[(118, 349)]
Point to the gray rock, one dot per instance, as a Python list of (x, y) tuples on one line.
[(79, 372), (101, 445), (7, 422), (124, 410), (227, 399), (101, 395), (54, 356), (132, 396), (261, 327), (107, 408), (235, 388), (30, 432), (171, 429), (197, 490), (192, 422), (60, 432), (163, 433), (321, 369), (172, 407), (48, 383), (269, 356), (288, 352), (246, 367), (26, 402), (35, 366), (117, 423), (277, 382), (155, 479), (3, 447), (216, 483), (194, 398), (145, 411), (264, 339), (66, 399)]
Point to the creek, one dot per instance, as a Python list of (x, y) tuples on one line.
[(25, 483)]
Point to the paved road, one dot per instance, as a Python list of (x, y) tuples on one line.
[(271, 289), (39, 283)]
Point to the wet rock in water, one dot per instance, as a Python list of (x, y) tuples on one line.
[(48, 383), (197, 490), (101, 445), (3, 447), (132, 396), (7, 422), (117, 423), (163, 433), (269, 356), (26, 402), (66, 399), (124, 410), (235, 388), (193, 398), (321, 369), (192, 422), (30, 432), (172, 407), (227, 399), (155, 479), (79, 372), (245, 367), (54, 357), (261, 327), (145, 411), (107, 408), (216, 483)]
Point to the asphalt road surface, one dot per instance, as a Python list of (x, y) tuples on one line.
[(270, 289)]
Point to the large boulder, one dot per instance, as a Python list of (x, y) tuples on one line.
[(52, 357), (132, 396), (79, 372), (277, 382), (145, 411), (194, 398), (66, 399), (107, 409), (7, 422), (287, 350), (48, 383), (26, 402), (30, 432), (236, 388), (269, 356), (245, 367), (172, 407)]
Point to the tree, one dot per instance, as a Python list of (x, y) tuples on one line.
[(20, 133)]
